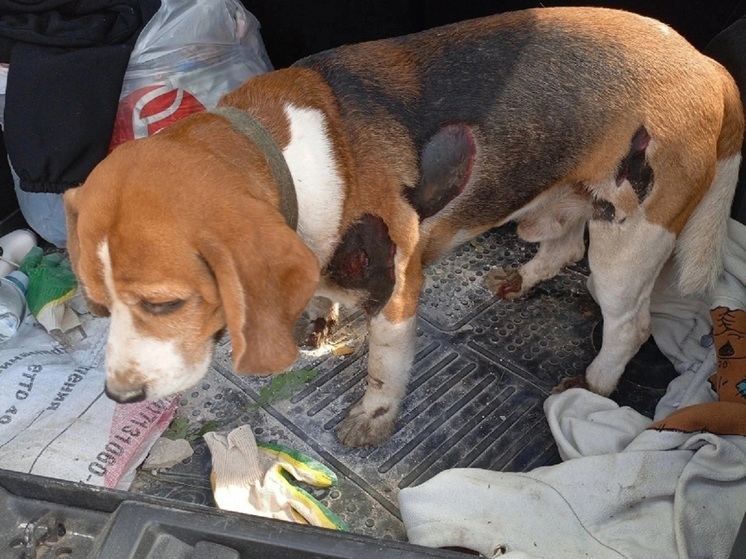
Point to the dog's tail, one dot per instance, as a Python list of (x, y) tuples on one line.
[(699, 248)]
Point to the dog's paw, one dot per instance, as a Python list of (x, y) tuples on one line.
[(577, 381), (365, 428), (320, 318), (321, 330), (506, 283)]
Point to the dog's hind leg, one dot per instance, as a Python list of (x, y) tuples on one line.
[(552, 256), (558, 224), (659, 189), (625, 260), (627, 249)]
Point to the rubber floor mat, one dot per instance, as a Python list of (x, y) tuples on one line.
[(483, 369)]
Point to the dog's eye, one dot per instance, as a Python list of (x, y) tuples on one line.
[(165, 307)]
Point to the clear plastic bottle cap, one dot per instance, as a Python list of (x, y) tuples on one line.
[(19, 279)]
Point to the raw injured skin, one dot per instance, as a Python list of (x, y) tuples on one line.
[(506, 283), (446, 164), (363, 263), (323, 314)]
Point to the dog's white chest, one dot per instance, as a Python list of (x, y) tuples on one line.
[(318, 181)]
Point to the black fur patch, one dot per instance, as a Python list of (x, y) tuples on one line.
[(635, 168), (445, 167), (364, 260), (603, 210)]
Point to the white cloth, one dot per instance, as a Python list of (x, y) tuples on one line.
[(681, 326), (623, 492)]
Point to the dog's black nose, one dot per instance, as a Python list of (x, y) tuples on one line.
[(126, 396)]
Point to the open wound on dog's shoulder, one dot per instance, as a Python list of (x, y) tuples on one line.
[(446, 165), (364, 260)]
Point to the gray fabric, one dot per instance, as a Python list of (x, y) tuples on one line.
[(623, 492)]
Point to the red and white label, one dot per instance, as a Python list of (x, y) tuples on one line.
[(150, 109)]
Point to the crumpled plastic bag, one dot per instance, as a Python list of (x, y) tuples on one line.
[(187, 57)]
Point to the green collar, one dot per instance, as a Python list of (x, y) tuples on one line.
[(250, 127)]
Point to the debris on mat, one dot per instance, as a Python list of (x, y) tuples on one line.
[(166, 453)]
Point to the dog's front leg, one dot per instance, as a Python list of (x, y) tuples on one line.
[(391, 341), (323, 315), (390, 356)]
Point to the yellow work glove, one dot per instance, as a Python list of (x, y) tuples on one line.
[(256, 478)]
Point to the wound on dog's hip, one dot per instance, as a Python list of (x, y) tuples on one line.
[(635, 168)]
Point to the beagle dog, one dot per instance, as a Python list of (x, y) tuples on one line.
[(344, 175)]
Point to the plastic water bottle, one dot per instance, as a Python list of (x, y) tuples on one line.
[(12, 304)]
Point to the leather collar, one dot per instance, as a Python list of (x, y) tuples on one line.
[(249, 126)]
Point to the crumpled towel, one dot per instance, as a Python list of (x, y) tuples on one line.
[(628, 488), (665, 494)]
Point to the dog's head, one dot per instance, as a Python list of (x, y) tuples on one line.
[(177, 242)]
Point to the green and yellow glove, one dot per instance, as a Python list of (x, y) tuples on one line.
[(258, 478), (51, 283)]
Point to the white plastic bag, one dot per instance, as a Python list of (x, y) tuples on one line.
[(186, 58)]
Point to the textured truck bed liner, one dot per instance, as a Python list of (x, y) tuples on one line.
[(483, 369)]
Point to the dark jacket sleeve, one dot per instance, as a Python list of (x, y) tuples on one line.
[(67, 63)]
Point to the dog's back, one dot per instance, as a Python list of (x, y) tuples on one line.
[(558, 119), (553, 97)]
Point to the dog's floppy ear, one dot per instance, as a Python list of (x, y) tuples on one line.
[(70, 199), (266, 276)]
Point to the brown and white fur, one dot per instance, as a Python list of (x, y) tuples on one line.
[(400, 150)]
